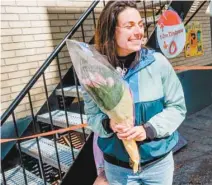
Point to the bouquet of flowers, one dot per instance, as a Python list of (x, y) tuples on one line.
[(106, 87)]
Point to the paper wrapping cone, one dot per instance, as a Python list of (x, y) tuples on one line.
[(122, 112), (84, 55)]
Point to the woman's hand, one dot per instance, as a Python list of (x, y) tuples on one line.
[(137, 133), (124, 125), (113, 125)]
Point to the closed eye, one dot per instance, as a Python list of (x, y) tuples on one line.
[(129, 26)]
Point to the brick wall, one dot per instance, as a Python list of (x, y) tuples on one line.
[(205, 59), (30, 29)]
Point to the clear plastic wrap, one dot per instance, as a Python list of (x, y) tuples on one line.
[(106, 87)]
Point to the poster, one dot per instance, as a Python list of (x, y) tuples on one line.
[(193, 46), (171, 35)]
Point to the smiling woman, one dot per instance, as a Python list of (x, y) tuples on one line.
[(159, 106), (123, 30), (129, 32)]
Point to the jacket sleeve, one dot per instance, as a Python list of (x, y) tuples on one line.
[(167, 121), (95, 116)]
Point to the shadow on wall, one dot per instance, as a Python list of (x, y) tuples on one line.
[(56, 22), (61, 21)]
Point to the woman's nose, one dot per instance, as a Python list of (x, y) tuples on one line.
[(138, 31)]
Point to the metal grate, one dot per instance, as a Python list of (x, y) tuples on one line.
[(76, 137), (70, 91), (58, 117), (48, 152), (15, 176), (194, 6)]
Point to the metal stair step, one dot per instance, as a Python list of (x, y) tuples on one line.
[(48, 152), (15, 176), (70, 91), (59, 119), (148, 4)]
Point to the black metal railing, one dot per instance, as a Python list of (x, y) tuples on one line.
[(47, 62), (19, 147), (26, 92), (155, 10), (37, 142), (162, 6)]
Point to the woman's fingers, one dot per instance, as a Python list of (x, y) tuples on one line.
[(121, 128), (113, 127), (137, 133), (140, 137), (125, 135)]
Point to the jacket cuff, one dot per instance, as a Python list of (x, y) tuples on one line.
[(150, 131), (106, 125)]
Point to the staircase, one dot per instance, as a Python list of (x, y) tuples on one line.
[(45, 160), (15, 176), (65, 152), (59, 119), (62, 158), (48, 152)]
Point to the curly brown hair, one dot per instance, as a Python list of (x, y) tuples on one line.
[(105, 31)]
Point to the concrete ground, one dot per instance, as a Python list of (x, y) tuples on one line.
[(193, 164)]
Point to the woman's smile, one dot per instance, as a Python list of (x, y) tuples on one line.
[(135, 41)]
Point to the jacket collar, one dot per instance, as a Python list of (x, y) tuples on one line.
[(145, 58)]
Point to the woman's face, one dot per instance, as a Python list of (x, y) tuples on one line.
[(129, 32)]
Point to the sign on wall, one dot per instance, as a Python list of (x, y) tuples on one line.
[(170, 34), (193, 46)]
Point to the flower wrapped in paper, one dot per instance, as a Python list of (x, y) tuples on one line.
[(106, 87)]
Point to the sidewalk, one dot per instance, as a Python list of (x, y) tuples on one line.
[(193, 164)]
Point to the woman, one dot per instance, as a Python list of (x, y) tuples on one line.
[(158, 101)]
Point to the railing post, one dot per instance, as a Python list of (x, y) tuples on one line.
[(160, 6), (66, 115), (19, 147), (52, 126), (153, 13), (145, 15), (94, 19), (3, 176), (78, 97), (37, 141), (83, 35)]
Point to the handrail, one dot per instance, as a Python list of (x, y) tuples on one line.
[(190, 18), (40, 71)]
